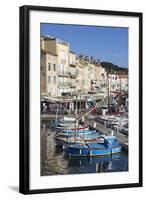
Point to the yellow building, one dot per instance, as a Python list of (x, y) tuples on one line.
[(61, 48), (43, 74), (48, 73)]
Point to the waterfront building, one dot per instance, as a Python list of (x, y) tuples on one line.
[(103, 77), (82, 81), (119, 82), (48, 73), (63, 75), (91, 77), (95, 80), (61, 48), (72, 71), (43, 74)]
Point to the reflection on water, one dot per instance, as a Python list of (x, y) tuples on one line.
[(53, 161)]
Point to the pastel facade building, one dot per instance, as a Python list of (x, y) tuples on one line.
[(103, 77), (72, 71), (43, 74), (63, 74), (83, 79), (61, 49), (95, 77), (119, 82), (48, 73)]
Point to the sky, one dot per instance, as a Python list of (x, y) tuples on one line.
[(107, 44)]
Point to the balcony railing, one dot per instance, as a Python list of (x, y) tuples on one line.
[(63, 73), (73, 74), (64, 84), (93, 82), (72, 64), (72, 85), (67, 85)]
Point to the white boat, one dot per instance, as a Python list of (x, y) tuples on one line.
[(67, 119), (72, 139), (80, 127), (63, 122), (124, 129)]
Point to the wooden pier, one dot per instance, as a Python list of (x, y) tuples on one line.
[(123, 139)]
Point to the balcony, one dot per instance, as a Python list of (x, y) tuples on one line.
[(73, 74), (63, 73), (72, 85), (64, 85), (93, 82), (72, 64)]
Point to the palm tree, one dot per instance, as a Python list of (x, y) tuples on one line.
[(81, 56), (91, 59), (86, 58), (98, 61)]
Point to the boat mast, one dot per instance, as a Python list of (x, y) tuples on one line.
[(108, 94), (57, 112), (76, 119), (109, 88), (120, 84)]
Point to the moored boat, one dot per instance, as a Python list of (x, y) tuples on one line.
[(60, 141), (85, 130), (79, 128), (108, 147), (82, 133), (67, 119)]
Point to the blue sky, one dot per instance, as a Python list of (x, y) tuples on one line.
[(104, 43)]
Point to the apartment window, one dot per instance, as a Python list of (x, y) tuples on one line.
[(54, 79), (62, 56), (63, 61), (49, 92), (54, 67), (83, 82), (49, 66), (54, 92), (43, 55), (61, 68), (49, 79)]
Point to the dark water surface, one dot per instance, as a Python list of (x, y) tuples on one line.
[(53, 161)]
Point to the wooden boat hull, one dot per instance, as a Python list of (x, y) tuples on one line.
[(81, 152), (108, 147)]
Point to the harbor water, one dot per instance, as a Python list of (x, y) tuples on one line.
[(54, 162)]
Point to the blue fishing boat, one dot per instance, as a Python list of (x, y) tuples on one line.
[(108, 147)]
